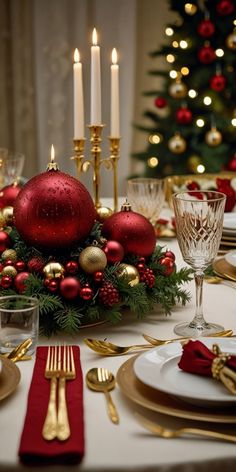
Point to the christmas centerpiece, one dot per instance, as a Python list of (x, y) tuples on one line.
[(81, 270)]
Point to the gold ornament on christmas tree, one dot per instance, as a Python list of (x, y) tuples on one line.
[(130, 273), (92, 259), (231, 40), (53, 270), (178, 89), (177, 144), (213, 137)]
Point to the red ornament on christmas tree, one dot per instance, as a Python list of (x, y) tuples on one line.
[(206, 54), (218, 82), (184, 116), (206, 28), (232, 164), (160, 102), (132, 230), (225, 7), (8, 195), (54, 211)]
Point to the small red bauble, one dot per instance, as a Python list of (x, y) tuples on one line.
[(8, 195), (193, 186), (184, 116), (218, 82), (232, 164), (168, 265), (8, 262), (170, 255), (133, 231), (5, 241), (141, 267), (86, 293), (20, 266), (52, 285), (72, 267), (70, 288), (20, 281), (206, 55), (206, 28), (114, 251), (54, 211), (98, 276), (160, 102), (6, 281), (225, 7), (36, 264)]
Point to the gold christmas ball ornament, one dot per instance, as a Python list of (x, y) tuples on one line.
[(103, 213), (8, 214), (53, 270), (231, 40), (92, 259), (130, 273), (213, 137), (9, 270), (9, 254), (177, 144), (178, 89), (2, 220)]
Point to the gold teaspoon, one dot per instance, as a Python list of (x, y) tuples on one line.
[(102, 380)]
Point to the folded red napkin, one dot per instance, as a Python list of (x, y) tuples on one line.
[(33, 448), (198, 359)]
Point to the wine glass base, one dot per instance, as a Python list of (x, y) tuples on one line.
[(194, 331)]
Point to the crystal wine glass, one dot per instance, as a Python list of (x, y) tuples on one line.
[(199, 221), (146, 196)]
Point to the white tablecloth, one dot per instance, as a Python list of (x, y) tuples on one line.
[(128, 446)]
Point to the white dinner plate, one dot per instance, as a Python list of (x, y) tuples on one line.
[(230, 257), (158, 368), (229, 221)]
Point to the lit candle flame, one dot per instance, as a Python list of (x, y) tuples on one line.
[(114, 56), (76, 55), (52, 154), (94, 37)]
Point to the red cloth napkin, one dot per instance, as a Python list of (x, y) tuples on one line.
[(197, 359), (33, 448)]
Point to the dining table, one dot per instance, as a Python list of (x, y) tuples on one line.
[(128, 446)]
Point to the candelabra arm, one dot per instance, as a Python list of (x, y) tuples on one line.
[(114, 156), (95, 139), (79, 154)]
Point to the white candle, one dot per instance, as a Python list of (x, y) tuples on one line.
[(115, 108), (78, 97), (95, 82)]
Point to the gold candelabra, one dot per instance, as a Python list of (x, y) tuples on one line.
[(95, 162)]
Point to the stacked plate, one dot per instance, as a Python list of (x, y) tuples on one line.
[(154, 381), (228, 240)]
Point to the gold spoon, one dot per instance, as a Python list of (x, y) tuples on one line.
[(158, 342), (102, 380), (215, 279)]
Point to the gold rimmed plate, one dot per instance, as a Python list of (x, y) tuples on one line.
[(9, 377), (160, 402), (222, 268)]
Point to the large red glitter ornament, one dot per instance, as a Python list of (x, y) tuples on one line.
[(54, 211), (206, 28), (132, 230), (218, 82), (206, 54), (8, 195)]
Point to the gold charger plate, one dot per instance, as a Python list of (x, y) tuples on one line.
[(228, 243), (160, 402), (222, 268), (9, 378)]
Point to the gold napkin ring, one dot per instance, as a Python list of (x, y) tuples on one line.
[(219, 362)]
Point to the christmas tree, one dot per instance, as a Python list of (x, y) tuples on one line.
[(193, 122)]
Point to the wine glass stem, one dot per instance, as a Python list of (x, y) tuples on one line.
[(198, 319)]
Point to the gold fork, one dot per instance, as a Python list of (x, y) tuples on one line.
[(168, 434), (67, 372), (159, 342), (106, 348), (49, 431)]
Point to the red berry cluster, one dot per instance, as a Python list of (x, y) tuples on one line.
[(147, 277), (108, 294)]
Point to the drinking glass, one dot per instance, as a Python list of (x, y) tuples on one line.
[(12, 167), (19, 320), (199, 221), (146, 196)]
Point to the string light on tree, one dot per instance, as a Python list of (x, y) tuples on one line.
[(169, 31), (152, 162), (192, 93), (207, 101), (200, 122)]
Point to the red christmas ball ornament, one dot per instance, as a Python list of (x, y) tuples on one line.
[(20, 266), (225, 7), (8, 195), (86, 292), (206, 28), (184, 116), (72, 267), (160, 102), (224, 186), (218, 82), (6, 281), (5, 241), (114, 251), (206, 55), (70, 288), (170, 255), (232, 164), (54, 211), (52, 285), (168, 265), (98, 276), (36, 264), (132, 230), (20, 281)]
